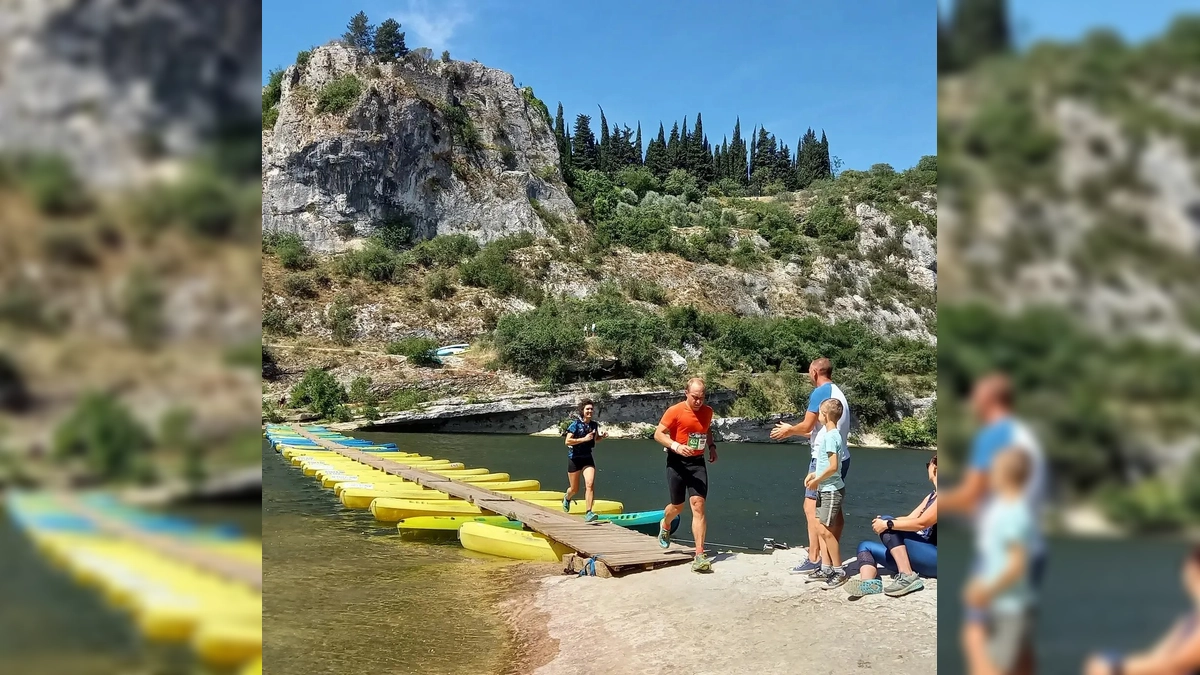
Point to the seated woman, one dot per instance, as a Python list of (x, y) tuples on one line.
[(907, 547), (1178, 653)]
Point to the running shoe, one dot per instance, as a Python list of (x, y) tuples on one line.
[(907, 583), (567, 504), (664, 537), (836, 578), (818, 574), (805, 568), (589, 516), (701, 563), (860, 587)]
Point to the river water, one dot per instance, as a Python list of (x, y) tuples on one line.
[(343, 593)]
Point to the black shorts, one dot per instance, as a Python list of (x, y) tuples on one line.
[(578, 462), (687, 475)]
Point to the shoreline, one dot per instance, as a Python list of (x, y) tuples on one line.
[(748, 616)]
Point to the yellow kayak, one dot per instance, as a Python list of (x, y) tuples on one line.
[(320, 470), (391, 510), (361, 498), (497, 485), (228, 643), (509, 543), (332, 480)]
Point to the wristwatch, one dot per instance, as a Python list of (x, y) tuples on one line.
[(890, 523)]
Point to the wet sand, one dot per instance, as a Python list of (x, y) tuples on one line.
[(747, 616)]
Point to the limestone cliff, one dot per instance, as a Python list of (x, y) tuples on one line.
[(447, 146)]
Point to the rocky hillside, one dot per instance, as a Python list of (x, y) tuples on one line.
[(1071, 256), (424, 199), (446, 146), (120, 89)]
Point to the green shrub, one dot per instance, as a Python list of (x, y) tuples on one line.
[(439, 285), (142, 309), (443, 250), (205, 203), (342, 414), (276, 321), (269, 118), (490, 268), (910, 432), (289, 248), (49, 181), (543, 113), (102, 432), (373, 262), (830, 223), (337, 96), (360, 390), (270, 412), (394, 232), (751, 401), (299, 285), (319, 392), (646, 291), (302, 57), (418, 350), (407, 399), (341, 319)]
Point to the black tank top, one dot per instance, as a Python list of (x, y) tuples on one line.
[(929, 534)]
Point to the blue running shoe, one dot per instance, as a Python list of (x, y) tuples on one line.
[(664, 537), (807, 567), (589, 516), (566, 505)]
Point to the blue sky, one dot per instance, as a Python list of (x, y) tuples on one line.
[(1062, 20), (864, 71)]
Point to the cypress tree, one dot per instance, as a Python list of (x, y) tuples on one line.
[(673, 148), (979, 30), (389, 41), (561, 140), (584, 154), (826, 165), (738, 169), (656, 155), (700, 158), (359, 32), (637, 146), (683, 158), (606, 150)]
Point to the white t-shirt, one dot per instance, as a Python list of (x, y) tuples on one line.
[(821, 393)]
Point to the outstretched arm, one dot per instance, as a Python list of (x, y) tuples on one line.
[(965, 496)]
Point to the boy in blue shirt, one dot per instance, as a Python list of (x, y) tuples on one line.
[(826, 481)]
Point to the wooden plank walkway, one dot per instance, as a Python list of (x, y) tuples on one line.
[(208, 561), (620, 549)]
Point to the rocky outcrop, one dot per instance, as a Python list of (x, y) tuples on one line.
[(116, 87), (532, 413), (448, 146)]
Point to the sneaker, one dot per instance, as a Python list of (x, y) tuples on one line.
[(817, 574), (836, 579), (664, 537), (807, 567), (860, 587), (701, 563), (589, 517), (907, 583), (566, 505)]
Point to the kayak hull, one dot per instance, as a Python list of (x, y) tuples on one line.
[(391, 510), (509, 543)]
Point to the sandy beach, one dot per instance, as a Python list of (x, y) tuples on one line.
[(748, 616)]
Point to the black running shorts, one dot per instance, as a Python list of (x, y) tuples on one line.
[(686, 475), (578, 462)]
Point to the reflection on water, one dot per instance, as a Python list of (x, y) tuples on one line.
[(343, 593)]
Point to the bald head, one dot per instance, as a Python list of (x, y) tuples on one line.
[(820, 369), (992, 396), (695, 392)]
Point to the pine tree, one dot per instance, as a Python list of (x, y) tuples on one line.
[(979, 30), (584, 154), (389, 41), (637, 146), (359, 33)]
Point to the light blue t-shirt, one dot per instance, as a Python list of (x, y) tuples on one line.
[(828, 444), (1003, 524), (820, 394), (1006, 433)]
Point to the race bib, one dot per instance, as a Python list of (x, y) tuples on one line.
[(696, 441)]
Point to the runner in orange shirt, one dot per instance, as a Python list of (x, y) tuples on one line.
[(685, 434)]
